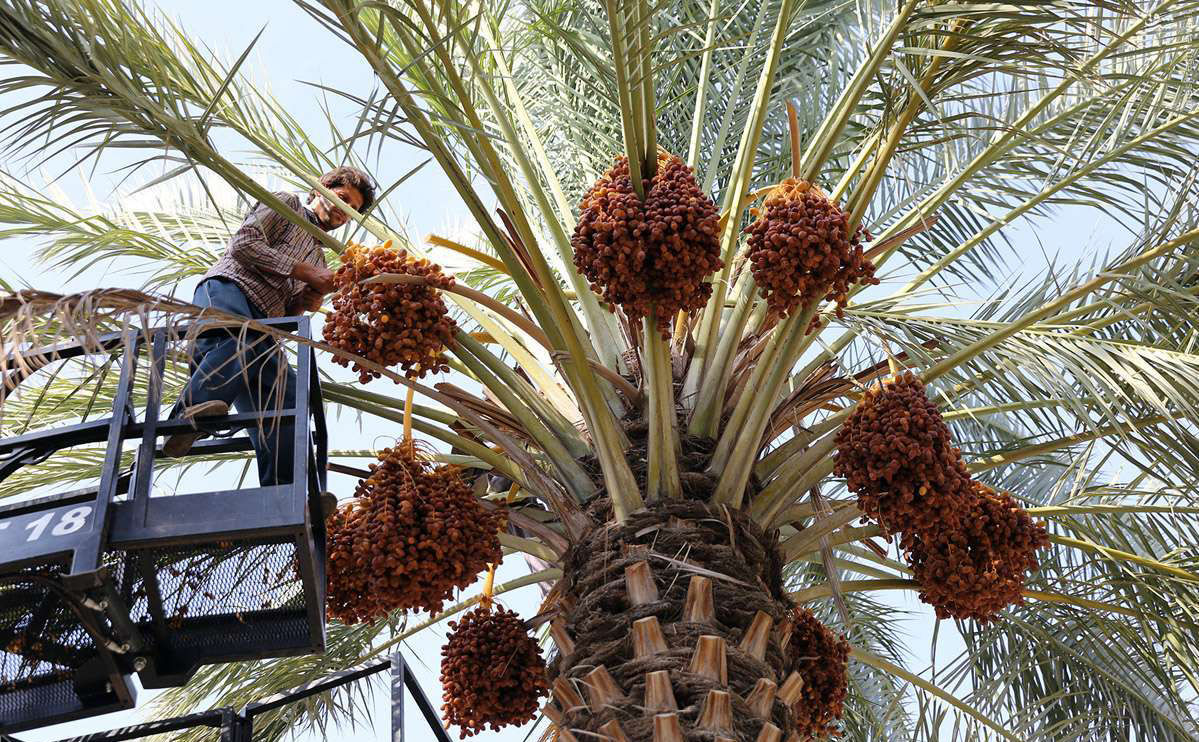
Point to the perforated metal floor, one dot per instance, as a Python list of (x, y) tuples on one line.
[(215, 603)]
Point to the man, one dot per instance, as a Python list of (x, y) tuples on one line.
[(271, 268)]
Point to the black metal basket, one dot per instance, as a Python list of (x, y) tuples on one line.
[(111, 581)]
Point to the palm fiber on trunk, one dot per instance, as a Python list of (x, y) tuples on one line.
[(682, 546)]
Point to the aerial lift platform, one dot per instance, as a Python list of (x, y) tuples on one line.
[(102, 583)]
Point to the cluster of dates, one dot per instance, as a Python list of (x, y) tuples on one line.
[(405, 324), (822, 659), (969, 546), (413, 534), (650, 257), (492, 671), (801, 250)]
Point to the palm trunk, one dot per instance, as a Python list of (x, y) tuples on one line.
[(673, 626)]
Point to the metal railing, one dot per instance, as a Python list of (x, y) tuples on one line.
[(238, 725)]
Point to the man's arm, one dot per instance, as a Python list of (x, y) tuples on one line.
[(253, 243), (308, 300)]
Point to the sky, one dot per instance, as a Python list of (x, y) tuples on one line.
[(293, 50)]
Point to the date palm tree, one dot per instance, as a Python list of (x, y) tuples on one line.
[(682, 482)]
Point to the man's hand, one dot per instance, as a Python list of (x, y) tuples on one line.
[(318, 279), (308, 300)]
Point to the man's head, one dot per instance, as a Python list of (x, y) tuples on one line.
[(351, 185)]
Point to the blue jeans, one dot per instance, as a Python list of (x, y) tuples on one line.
[(247, 372)]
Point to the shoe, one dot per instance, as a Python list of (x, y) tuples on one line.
[(328, 504), (180, 443)]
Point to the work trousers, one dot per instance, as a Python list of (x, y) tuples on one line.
[(248, 371)]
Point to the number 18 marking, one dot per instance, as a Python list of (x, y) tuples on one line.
[(71, 521)]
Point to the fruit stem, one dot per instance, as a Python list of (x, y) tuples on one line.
[(485, 599), (663, 444), (408, 415), (793, 129), (629, 107), (892, 364)]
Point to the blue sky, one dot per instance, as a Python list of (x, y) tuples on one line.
[(294, 49)]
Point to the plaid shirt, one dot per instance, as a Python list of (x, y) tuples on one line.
[(262, 253)]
